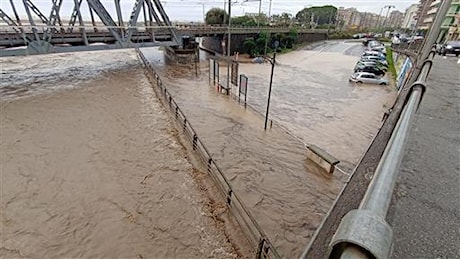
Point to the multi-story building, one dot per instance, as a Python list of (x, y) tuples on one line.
[(431, 14), (395, 19), (409, 20), (421, 14), (450, 27), (347, 16)]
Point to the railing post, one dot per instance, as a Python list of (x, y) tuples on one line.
[(229, 197), (209, 164), (260, 248), (194, 142)]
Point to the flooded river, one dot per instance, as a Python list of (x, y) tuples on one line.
[(313, 99), (91, 166)]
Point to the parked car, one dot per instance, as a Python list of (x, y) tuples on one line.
[(367, 41), (371, 64), (374, 53), (370, 69), (452, 47), (376, 59), (365, 77)]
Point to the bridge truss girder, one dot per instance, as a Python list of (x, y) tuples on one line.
[(53, 26)]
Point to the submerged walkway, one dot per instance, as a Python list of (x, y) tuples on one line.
[(268, 169)]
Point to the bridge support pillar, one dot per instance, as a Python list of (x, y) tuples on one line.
[(39, 47)]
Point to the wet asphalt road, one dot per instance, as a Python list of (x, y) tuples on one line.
[(427, 209)]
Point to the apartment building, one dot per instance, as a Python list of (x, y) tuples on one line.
[(409, 20), (450, 23), (395, 19), (422, 13)]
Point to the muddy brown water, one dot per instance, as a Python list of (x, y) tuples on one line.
[(91, 166), (287, 195)]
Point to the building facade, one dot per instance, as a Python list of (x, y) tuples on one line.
[(450, 27), (395, 19), (422, 14), (409, 20)]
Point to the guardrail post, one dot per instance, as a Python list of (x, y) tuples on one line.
[(185, 123), (260, 248), (229, 197), (194, 142), (177, 112)]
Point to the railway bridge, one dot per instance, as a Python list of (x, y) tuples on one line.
[(148, 25)]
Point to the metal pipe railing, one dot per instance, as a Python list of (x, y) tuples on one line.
[(364, 233), (256, 236)]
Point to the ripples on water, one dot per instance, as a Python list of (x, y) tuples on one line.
[(287, 195), (30, 75), (96, 171)]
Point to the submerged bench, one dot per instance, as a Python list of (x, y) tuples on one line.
[(322, 158), (223, 89)]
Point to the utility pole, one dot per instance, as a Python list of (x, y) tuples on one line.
[(269, 24), (260, 9), (228, 43), (378, 19), (388, 11)]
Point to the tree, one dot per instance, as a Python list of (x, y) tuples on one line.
[(317, 14), (216, 16), (285, 19)]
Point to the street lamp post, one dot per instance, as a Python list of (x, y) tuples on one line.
[(228, 43), (378, 19), (388, 11), (273, 62)]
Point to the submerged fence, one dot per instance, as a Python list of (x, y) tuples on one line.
[(259, 241)]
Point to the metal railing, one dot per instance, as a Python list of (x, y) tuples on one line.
[(259, 241), (364, 233)]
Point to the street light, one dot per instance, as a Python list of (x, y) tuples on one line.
[(260, 9), (388, 11), (228, 42), (273, 62)]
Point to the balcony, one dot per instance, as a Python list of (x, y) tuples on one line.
[(428, 20), (436, 3), (432, 11)]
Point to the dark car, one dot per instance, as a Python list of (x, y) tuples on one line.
[(367, 40), (370, 69), (452, 47)]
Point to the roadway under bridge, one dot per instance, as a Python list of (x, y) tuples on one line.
[(105, 28)]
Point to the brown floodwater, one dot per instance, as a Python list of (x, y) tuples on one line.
[(313, 100), (91, 167)]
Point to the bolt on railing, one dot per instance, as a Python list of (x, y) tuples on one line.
[(256, 236)]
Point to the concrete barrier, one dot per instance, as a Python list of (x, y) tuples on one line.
[(322, 158)]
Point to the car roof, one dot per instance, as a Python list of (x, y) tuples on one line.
[(453, 43), (366, 73)]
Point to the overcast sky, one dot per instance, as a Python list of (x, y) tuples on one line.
[(192, 10)]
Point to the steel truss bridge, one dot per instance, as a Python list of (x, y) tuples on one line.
[(92, 26), (42, 33)]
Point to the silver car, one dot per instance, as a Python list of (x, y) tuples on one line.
[(366, 77)]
